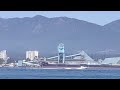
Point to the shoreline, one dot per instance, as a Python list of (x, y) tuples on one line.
[(73, 68)]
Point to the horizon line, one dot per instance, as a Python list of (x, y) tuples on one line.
[(56, 17)]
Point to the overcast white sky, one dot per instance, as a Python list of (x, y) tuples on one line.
[(98, 17)]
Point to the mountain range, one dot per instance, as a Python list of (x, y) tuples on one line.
[(41, 33)]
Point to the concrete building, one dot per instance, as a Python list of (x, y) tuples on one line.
[(3, 54), (31, 55)]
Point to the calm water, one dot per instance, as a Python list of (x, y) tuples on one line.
[(96, 73)]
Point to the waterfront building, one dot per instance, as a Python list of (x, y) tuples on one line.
[(20, 63), (83, 56), (31, 55), (80, 58), (112, 61), (3, 54)]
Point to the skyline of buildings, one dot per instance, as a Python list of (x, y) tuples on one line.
[(82, 57)]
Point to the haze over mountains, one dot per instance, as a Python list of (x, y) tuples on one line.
[(44, 34)]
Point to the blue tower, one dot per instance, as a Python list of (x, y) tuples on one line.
[(61, 53)]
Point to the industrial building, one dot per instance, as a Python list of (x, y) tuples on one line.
[(80, 58), (112, 61), (83, 55), (31, 55), (3, 54)]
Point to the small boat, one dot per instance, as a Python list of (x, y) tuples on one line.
[(67, 68), (50, 68), (82, 67)]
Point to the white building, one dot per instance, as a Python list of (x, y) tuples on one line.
[(31, 55), (3, 54), (112, 61)]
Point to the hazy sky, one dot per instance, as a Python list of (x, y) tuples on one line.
[(98, 17)]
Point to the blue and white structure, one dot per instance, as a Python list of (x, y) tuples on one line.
[(20, 63), (61, 53)]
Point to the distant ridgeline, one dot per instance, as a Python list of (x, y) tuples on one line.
[(18, 35)]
